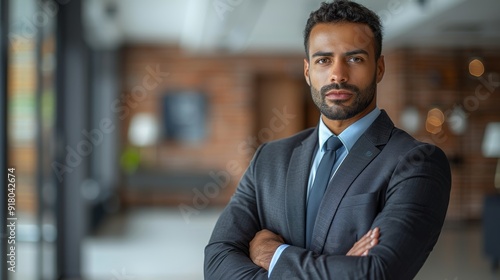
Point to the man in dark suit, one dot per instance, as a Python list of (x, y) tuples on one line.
[(384, 196)]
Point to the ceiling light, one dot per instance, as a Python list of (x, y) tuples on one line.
[(435, 120), (476, 68)]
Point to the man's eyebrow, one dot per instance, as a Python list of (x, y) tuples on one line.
[(349, 53), (358, 51), (320, 53)]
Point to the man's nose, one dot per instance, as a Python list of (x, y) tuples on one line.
[(339, 72)]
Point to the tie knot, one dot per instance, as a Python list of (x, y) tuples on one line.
[(333, 143)]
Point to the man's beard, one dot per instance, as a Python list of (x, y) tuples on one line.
[(362, 99)]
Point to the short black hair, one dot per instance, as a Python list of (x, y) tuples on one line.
[(345, 11)]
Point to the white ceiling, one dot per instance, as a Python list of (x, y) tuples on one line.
[(277, 25)]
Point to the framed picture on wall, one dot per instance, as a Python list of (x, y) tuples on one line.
[(184, 116)]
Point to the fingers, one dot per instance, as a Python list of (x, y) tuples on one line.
[(266, 234), (371, 240), (367, 242), (263, 246)]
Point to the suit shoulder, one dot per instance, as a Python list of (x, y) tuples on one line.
[(404, 142)]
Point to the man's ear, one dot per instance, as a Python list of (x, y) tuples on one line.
[(380, 68), (306, 71)]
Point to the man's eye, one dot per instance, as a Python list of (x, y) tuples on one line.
[(322, 61), (355, 59)]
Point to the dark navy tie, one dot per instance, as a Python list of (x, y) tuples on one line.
[(323, 175)]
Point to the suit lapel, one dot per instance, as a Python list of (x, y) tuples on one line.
[(296, 188), (361, 154)]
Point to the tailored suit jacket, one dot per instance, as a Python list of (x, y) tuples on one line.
[(388, 180)]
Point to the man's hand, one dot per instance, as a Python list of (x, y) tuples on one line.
[(265, 243), (263, 246), (363, 246)]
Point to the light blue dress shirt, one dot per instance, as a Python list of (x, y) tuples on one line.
[(348, 137)]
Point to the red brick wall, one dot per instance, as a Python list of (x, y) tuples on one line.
[(241, 106), (439, 78)]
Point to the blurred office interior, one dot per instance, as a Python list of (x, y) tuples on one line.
[(130, 122)]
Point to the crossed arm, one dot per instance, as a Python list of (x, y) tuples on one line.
[(409, 223), (264, 245)]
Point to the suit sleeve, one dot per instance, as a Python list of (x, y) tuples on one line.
[(227, 253), (416, 200)]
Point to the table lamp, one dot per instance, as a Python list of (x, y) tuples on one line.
[(491, 147)]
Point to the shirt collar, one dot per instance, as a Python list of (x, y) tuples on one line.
[(351, 134)]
